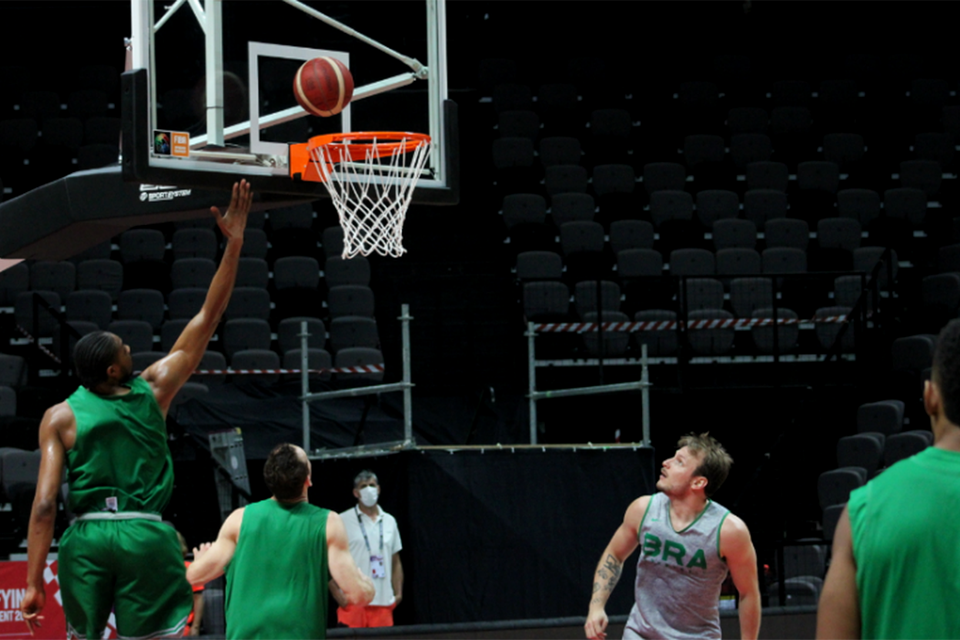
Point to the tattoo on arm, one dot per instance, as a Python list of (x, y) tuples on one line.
[(609, 575), (614, 566)]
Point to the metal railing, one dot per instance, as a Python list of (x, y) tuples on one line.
[(406, 385)]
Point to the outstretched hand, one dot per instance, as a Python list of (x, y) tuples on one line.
[(234, 221), (202, 549)]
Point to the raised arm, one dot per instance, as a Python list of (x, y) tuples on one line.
[(356, 587), (838, 615), (610, 567), (210, 560), (737, 548), (168, 375), (44, 511)]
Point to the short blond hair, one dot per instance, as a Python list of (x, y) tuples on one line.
[(715, 462)]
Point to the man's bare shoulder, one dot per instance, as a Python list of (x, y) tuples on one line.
[(636, 511), (158, 372), (733, 525), (59, 416), (335, 530), (231, 526), (641, 504), (734, 536), (643, 501)]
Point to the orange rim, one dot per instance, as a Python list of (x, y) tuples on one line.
[(355, 145), (350, 146)]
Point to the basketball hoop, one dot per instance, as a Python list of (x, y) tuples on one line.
[(370, 177)]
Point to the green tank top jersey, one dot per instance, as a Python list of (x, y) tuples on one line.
[(904, 524), (120, 460), (277, 579)]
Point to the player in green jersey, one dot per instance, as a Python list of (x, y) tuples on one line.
[(279, 555), (895, 550), (111, 434)]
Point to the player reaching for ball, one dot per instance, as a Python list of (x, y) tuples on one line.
[(111, 435), (688, 544)]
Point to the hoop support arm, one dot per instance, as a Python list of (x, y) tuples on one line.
[(172, 10), (287, 115), (199, 12), (169, 11), (418, 68), (382, 86)]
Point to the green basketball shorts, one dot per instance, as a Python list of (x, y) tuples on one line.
[(133, 567)]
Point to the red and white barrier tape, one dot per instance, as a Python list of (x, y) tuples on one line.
[(368, 368), (667, 325)]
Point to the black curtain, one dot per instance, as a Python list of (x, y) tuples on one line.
[(501, 535)]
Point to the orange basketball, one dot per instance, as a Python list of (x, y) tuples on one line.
[(323, 86)]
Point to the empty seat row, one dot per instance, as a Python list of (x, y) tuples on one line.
[(250, 333), (580, 240), (109, 275), (248, 339), (148, 305), (150, 244), (264, 364), (759, 206), (197, 239), (550, 300), (68, 134), (835, 100), (19, 79), (875, 451), (795, 141), (711, 156), (644, 263)]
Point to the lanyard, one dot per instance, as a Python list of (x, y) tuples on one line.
[(363, 530)]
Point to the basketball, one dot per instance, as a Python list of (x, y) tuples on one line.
[(323, 86)]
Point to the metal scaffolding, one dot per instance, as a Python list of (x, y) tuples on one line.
[(405, 386), (534, 395)]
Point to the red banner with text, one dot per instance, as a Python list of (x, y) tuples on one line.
[(13, 587)]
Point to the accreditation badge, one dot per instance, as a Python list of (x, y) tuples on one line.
[(377, 569)]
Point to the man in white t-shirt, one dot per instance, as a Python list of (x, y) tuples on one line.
[(375, 546)]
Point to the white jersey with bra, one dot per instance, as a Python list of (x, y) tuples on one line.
[(679, 574)]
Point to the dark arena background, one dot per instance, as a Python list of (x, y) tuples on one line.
[(732, 165)]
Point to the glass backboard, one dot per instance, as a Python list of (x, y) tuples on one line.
[(209, 97)]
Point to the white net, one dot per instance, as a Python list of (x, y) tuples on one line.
[(372, 195)]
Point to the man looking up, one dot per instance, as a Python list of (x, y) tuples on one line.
[(689, 545)]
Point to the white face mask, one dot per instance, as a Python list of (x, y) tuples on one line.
[(368, 496)]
